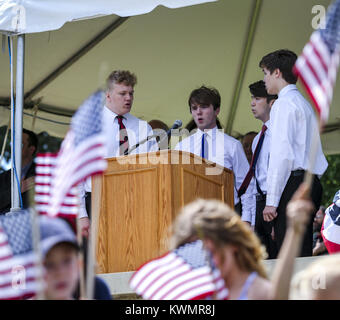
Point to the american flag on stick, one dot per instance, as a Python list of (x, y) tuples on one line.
[(82, 152), (18, 262), (330, 230), (185, 273), (318, 64), (44, 169)]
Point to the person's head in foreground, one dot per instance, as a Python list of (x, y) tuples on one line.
[(235, 249), (319, 281), (60, 258)]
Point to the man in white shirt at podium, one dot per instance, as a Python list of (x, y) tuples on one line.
[(211, 143), (122, 129)]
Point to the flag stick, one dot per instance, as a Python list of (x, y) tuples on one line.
[(38, 254), (95, 212), (81, 262)]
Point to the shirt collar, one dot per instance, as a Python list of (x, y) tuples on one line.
[(209, 132), (286, 89), (114, 115)]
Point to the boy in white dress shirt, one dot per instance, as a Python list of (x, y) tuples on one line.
[(292, 122), (212, 144), (123, 130), (261, 103)]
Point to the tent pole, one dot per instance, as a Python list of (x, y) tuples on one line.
[(247, 48), (18, 119)]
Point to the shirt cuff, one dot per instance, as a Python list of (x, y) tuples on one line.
[(82, 213), (272, 200)]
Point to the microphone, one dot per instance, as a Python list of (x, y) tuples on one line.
[(177, 124)]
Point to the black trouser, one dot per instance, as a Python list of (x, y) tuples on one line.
[(295, 179), (238, 208), (263, 228), (88, 203)]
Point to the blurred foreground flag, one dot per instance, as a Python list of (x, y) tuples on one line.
[(44, 169), (318, 64), (82, 152), (18, 262), (331, 226), (185, 273)]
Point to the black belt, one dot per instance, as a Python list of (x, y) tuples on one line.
[(261, 197)]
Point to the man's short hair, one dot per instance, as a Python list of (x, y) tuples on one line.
[(32, 139), (205, 96), (283, 60), (258, 89), (121, 77)]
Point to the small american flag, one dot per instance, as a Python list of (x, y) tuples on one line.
[(318, 64), (18, 270), (82, 151), (185, 273), (330, 230), (45, 164)]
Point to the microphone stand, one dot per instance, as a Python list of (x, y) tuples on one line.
[(141, 142), (150, 137)]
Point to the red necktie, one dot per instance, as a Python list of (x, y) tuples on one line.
[(123, 137), (251, 172)]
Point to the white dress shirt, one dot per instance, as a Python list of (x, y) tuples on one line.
[(261, 167), (292, 124), (136, 129), (228, 152)]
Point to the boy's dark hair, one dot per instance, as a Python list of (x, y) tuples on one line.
[(32, 139), (205, 96), (258, 89), (283, 60), (121, 76)]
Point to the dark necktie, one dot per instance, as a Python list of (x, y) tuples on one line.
[(123, 137), (204, 149), (251, 172)]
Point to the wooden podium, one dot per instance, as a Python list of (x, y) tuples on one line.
[(139, 196)]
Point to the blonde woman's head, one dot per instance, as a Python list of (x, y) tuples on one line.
[(220, 227)]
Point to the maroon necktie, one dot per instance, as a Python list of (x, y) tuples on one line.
[(123, 137), (251, 172)]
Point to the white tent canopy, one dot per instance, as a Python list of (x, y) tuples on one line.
[(171, 51), (27, 16)]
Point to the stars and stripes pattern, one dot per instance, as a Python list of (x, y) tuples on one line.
[(186, 273), (45, 164), (330, 230), (18, 262), (82, 152), (318, 64)]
